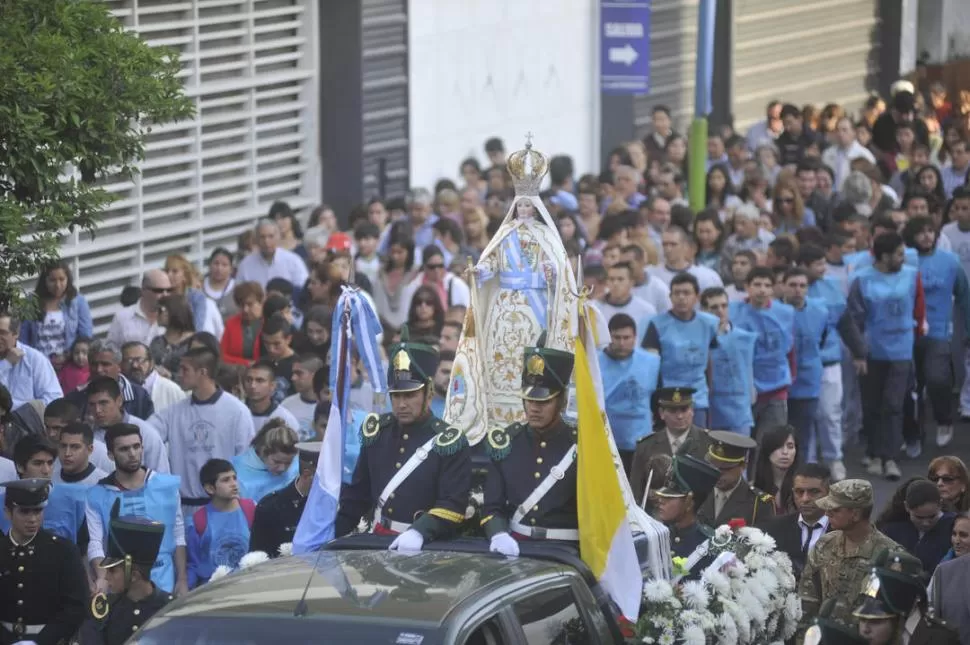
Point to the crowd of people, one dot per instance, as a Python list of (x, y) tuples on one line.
[(819, 297)]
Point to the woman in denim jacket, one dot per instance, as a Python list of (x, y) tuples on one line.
[(63, 314)]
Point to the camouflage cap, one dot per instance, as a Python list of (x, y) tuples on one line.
[(848, 493)]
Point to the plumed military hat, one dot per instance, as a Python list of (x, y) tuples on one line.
[(690, 476), (894, 587), (545, 371), (412, 365), (133, 539)]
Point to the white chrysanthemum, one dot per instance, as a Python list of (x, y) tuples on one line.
[(286, 549), (658, 591), (719, 583), (694, 594), (741, 619), (755, 561), (722, 533), (253, 558), (758, 539), (648, 640), (221, 572), (667, 638), (693, 635), (763, 585), (754, 609), (727, 629), (793, 608)]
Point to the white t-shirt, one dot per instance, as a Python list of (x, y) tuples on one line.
[(50, 335), (637, 308), (705, 277), (276, 412), (303, 412)]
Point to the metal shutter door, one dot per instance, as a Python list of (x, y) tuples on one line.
[(673, 43), (800, 52), (250, 65), (384, 25)]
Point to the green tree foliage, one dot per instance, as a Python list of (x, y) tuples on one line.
[(78, 94)]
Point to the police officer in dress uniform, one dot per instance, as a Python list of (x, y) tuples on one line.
[(414, 470), (530, 489), (278, 514), (689, 483), (133, 545), (893, 606), (679, 436), (733, 498), (43, 587)]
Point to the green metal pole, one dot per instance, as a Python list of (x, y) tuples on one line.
[(697, 168)]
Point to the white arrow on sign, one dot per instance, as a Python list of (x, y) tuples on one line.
[(626, 55)]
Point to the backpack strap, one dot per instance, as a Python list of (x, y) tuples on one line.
[(248, 509), (200, 519)]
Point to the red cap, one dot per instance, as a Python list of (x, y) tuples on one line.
[(339, 242)]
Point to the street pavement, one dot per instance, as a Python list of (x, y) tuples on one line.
[(883, 488)]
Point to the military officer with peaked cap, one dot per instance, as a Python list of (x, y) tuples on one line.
[(733, 498), (414, 470), (689, 483), (679, 436), (133, 544), (825, 630), (278, 514), (43, 587), (530, 489)]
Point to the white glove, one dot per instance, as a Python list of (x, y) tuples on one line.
[(410, 541), (25, 643), (505, 544)]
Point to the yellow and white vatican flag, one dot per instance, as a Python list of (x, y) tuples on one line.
[(605, 537)]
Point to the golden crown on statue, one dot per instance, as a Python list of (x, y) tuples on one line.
[(527, 168)]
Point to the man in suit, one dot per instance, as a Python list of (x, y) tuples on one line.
[(796, 533), (689, 483), (679, 437), (733, 497)]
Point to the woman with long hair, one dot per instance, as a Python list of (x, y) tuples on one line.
[(929, 179), (708, 238), (219, 281), (569, 228), (167, 350), (426, 315), (675, 152), (950, 475), (777, 463), (187, 281), (240, 343), (291, 233), (270, 462), (756, 191), (895, 510), (63, 314), (719, 191), (317, 323), (393, 280), (788, 212)]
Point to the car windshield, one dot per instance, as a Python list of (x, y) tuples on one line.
[(237, 630)]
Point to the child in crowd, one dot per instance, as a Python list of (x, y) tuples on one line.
[(367, 262), (218, 533), (75, 371)]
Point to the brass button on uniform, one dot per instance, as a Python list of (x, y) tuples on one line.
[(405, 437), (535, 508), (391, 496), (542, 444), (401, 450), (20, 585), (538, 460), (136, 612), (20, 602), (538, 475), (390, 510), (533, 520), (397, 465), (20, 569)]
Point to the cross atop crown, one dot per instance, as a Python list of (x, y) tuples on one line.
[(528, 140)]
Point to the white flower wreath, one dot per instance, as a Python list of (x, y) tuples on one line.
[(747, 596)]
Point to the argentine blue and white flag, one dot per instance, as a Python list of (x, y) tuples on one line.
[(354, 320)]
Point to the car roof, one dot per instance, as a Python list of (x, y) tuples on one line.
[(420, 588)]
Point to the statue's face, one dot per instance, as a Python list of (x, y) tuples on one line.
[(524, 208)]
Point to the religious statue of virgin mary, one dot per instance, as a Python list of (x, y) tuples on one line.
[(522, 285)]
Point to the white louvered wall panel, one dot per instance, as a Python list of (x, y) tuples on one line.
[(251, 67)]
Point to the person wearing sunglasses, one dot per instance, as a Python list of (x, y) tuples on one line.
[(949, 473), (139, 322), (450, 289)]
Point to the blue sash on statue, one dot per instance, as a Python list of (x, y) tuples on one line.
[(64, 512), (158, 500), (255, 480), (531, 283)]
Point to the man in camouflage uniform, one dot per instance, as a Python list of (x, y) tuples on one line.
[(839, 564)]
